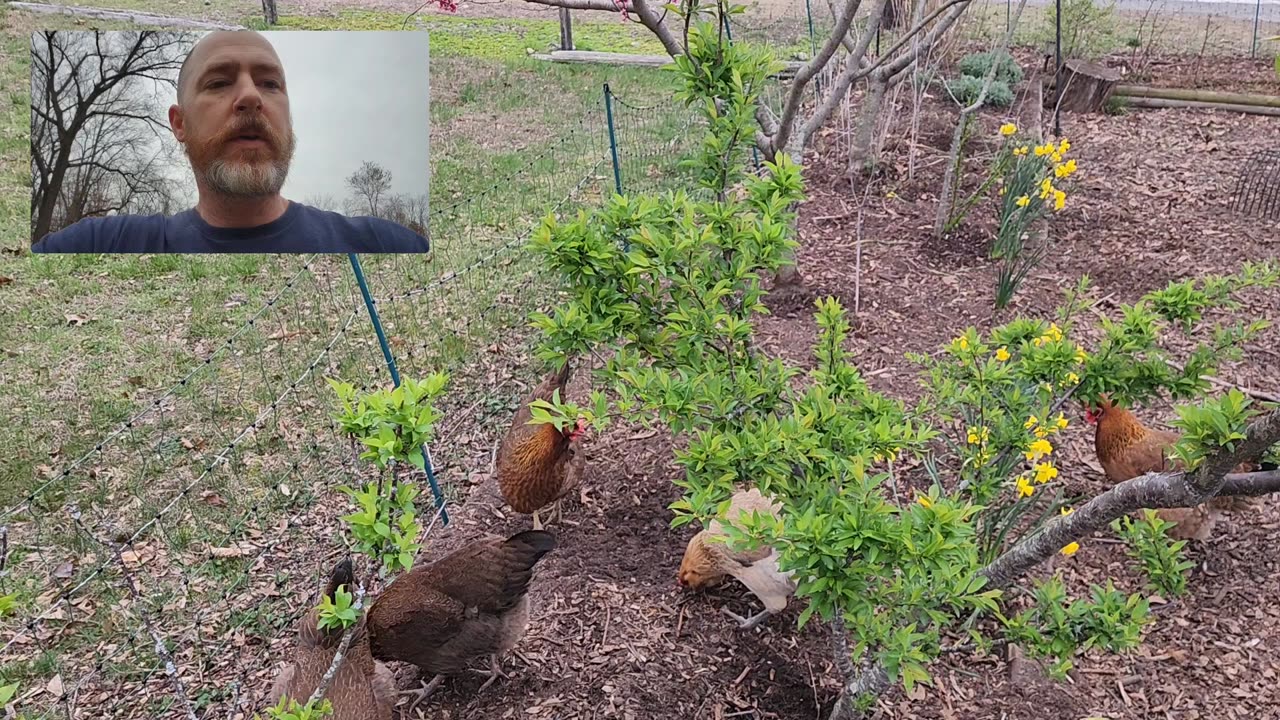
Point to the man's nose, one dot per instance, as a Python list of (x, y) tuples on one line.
[(248, 99)]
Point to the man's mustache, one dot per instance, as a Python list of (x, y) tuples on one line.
[(252, 125)]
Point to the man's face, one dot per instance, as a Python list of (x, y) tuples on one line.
[(233, 118)]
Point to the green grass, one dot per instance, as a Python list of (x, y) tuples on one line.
[(92, 341)]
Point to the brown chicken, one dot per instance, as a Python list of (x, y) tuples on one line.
[(362, 689), (707, 562), (1127, 449), (538, 465), (468, 604)]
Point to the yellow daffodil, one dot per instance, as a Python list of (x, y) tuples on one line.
[(1041, 432), (1054, 332), (1022, 201), (1059, 199), (1038, 449), (1024, 487), (1064, 147), (1008, 129), (1056, 157), (1020, 151), (1071, 549), (1002, 354), (1042, 150), (925, 501), (1045, 472), (1069, 167)]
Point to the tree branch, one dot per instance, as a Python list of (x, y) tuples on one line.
[(1153, 490), (813, 67)]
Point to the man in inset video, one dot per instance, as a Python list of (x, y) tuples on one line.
[(232, 119)]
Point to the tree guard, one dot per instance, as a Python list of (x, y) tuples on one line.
[(1258, 186)]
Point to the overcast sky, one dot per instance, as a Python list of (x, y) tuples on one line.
[(354, 96)]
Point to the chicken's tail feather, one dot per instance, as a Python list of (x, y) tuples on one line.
[(342, 574)]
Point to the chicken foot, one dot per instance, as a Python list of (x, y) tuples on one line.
[(494, 672), (423, 692), (747, 623)]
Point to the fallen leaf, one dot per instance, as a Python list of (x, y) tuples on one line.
[(64, 571), (285, 489), (5, 280), (76, 320), (212, 498), (227, 552), (55, 686)]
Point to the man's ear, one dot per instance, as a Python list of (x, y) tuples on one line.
[(176, 123)]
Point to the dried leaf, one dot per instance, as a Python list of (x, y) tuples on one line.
[(65, 570), (75, 320), (5, 280), (55, 686), (227, 552), (212, 498)]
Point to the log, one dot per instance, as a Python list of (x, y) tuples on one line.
[(1212, 96), (131, 16), (1086, 86), (1170, 103), (633, 60)]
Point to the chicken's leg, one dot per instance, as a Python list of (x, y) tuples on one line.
[(423, 692), (494, 672), (747, 623)]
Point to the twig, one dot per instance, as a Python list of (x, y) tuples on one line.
[(161, 650), (343, 646)]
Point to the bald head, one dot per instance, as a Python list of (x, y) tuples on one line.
[(221, 47)]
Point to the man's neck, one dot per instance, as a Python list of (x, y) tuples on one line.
[(226, 212)]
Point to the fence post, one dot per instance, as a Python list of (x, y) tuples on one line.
[(1257, 13), (813, 51), (395, 378), (613, 139)]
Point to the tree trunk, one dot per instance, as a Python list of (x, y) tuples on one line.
[(860, 151), (1085, 86), (269, 12), (566, 29)]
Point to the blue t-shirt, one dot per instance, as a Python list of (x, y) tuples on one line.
[(301, 229)]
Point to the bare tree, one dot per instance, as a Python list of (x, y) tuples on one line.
[(324, 201), (408, 210), (369, 183), (92, 122), (796, 126)]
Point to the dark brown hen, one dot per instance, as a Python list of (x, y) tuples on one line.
[(471, 603), (362, 689)]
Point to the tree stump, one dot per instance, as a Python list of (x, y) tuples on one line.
[(1086, 86)]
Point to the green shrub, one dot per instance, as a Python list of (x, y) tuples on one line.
[(966, 88), (978, 65)]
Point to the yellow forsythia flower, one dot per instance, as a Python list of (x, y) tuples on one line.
[(1002, 354), (979, 435), (1054, 332), (964, 342), (1041, 432), (1030, 423), (1080, 354), (1062, 421), (925, 501), (1008, 129), (1073, 379)]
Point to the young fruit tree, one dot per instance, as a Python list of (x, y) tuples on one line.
[(902, 526), (393, 426)]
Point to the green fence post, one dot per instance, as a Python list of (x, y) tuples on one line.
[(613, 139), (395, 377)]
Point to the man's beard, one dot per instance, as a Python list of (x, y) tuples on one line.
[(248, 172)]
